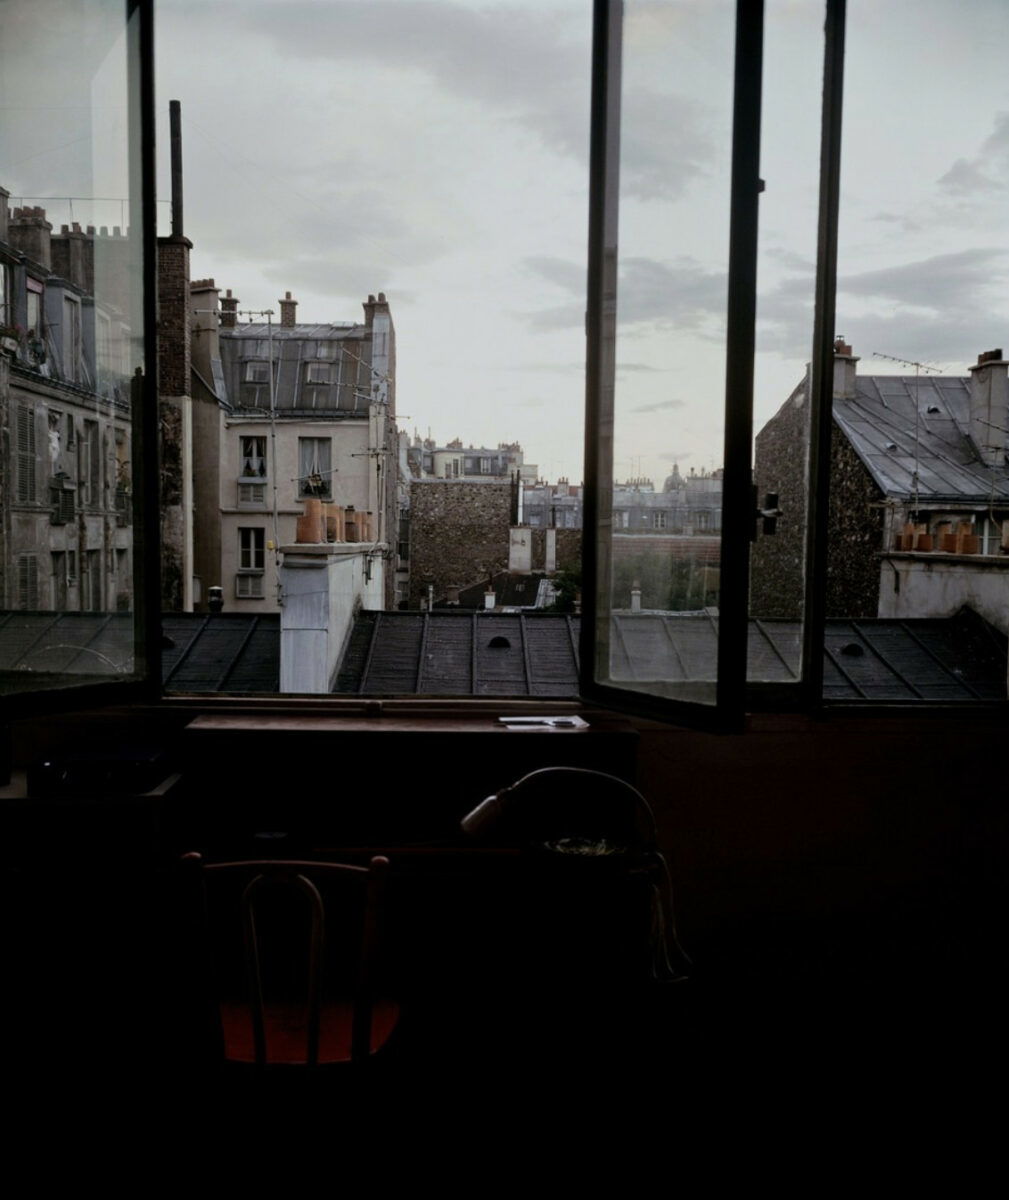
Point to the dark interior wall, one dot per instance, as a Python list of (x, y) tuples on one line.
[(791, 823)]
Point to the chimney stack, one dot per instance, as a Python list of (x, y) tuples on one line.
[(844, 370), (229, 310), (989, 406), (287, 307), (30, 232)]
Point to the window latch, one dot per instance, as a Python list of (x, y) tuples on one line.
[(768, 515)]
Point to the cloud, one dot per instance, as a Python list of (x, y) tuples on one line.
[(683, 294), (658, 406), (967, 178)]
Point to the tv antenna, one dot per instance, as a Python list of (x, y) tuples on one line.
[(918, 367)]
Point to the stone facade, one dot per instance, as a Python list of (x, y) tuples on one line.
[(459, 534), (855, 522), (780, 465)]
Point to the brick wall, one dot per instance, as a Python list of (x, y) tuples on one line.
[(458, 534)]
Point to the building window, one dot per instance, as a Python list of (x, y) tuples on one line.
[(26, 461), (318, 372), (6, 316), (315, 467), (249, 587), (659, 520), (251, 548), (89, 465), (252, 495), (28, 581), (253, 455), (35, 321), (61, 501), (71, 339), (257, 372), (59, 580)]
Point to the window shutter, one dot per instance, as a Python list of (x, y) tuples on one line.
[(28, 581), (26, 454)]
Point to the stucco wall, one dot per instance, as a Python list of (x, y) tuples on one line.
[(933, 585)]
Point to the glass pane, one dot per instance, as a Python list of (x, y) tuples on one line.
[(789, 165), (916, 589), (71, 340), (659, 542)]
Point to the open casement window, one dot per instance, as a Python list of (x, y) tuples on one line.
[(83, 70), (678, 151)]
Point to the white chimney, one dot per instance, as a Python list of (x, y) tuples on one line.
[(989, 406)]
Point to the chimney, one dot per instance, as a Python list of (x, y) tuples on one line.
[(29, 232), (287, 307), (844, 370), (372, 306), (229, 310), (989, 407), (205, 311), (635, 596)]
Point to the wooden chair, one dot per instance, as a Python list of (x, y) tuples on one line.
[(282, 981), (591, 833)]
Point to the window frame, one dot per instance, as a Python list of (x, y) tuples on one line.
[(138, 27)]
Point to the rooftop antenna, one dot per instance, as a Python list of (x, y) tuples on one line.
[(918, 367)]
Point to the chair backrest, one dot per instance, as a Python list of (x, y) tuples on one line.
[(238, 900), (602, 828)]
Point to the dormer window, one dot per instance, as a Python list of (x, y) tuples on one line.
[(257, 371), (71, 339), (318, 372)]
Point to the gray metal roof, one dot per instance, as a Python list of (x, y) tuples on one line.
[(943, 659), (345, 350), (226, 652), (882, 415)]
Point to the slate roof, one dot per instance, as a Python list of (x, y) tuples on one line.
[(534, 654), (462, 654), (882, 415), (450, 653), (223, 652), (293, 347)]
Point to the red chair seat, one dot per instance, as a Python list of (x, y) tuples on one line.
[(287, 1030)]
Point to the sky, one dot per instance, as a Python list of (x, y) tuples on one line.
[(437, 150)]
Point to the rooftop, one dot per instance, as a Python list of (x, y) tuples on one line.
[(884, 430)]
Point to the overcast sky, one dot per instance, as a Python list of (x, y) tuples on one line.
[(437, 150)]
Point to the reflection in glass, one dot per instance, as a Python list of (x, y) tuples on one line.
[(661, 547), (70, 341), (789, 164)]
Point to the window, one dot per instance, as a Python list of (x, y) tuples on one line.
[(318, 372), (59, 580), (72, 364), (249, 587), (26, 457), (253, 455), (28, 581), (6, 316), (257, 372), (62, 502), (34, 319), (659, 520), (252, 495), (89, 465), (251, 563), (251, 549), (314, 467)]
